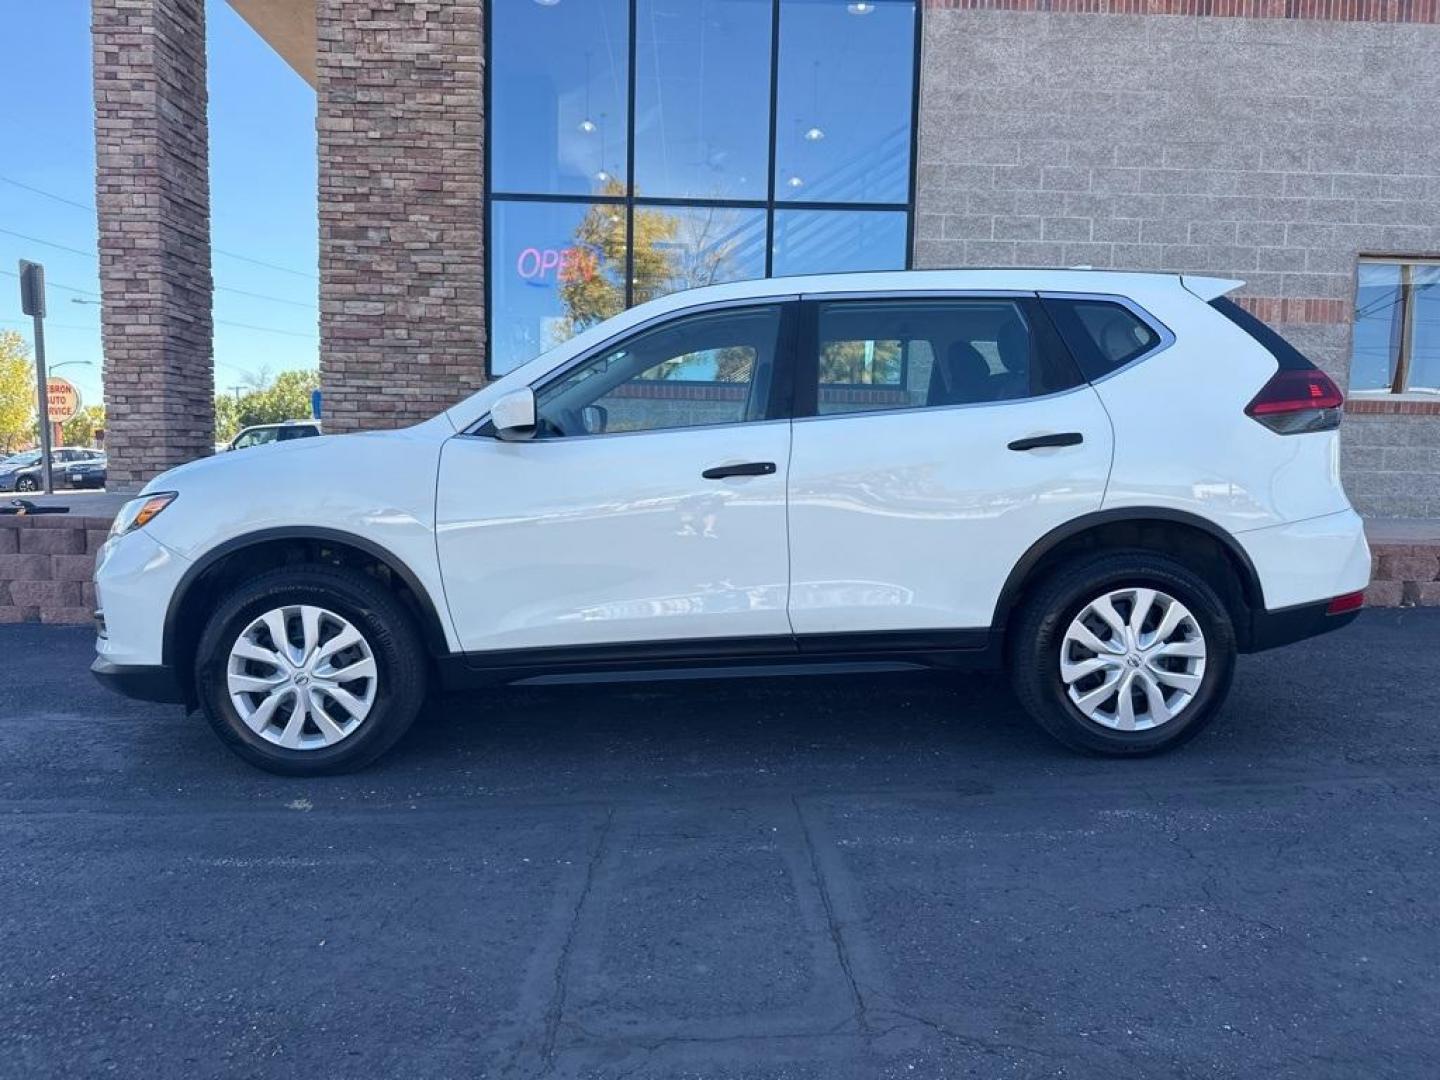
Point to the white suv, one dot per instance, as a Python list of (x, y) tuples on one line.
[(1110, 483)]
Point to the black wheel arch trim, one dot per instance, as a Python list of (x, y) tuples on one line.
[(432, 629), (1022, 572)]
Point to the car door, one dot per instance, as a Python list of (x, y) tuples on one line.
[(940, 438), (649, 507)]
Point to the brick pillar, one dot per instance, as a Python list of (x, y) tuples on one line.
[(401, 125), (152, 191)]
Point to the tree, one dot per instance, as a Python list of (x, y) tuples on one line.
[(17, 392), (672, 252), (286, 397), (81, 429)]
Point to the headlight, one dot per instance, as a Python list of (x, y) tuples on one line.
[(137, 512)]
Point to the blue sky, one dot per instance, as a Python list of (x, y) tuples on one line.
[(262, 195)]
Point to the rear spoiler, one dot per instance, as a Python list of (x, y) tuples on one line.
[(1208, 288)]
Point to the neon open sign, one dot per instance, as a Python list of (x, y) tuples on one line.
[(538, 265)]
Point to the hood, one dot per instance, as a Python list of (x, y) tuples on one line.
[(280, 457)]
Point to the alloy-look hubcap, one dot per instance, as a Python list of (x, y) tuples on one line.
[(1133, 659), (301, 677)]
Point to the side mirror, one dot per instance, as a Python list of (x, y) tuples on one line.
[(596, 417), (513, 415)]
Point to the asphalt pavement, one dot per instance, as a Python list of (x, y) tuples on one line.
[(832, 878)]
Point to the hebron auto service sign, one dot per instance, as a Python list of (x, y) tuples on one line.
[(63, 398)]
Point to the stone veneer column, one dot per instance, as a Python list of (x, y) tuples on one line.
[(401, 129), (153, 196)]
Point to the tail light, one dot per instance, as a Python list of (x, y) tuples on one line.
[(1350, 601), (1296, 401)]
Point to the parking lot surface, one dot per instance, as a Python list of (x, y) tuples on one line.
[(881, 876)]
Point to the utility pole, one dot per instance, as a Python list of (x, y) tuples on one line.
[(32, 302)]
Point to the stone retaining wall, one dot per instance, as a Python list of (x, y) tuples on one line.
[(1405, 575), (46, 563)]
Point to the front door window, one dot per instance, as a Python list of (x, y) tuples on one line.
[(696, 371)]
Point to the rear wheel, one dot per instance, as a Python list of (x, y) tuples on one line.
[(1123, 653), (310, 670)]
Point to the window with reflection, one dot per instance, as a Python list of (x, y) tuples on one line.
[(833, 241), (702, 98), (712, 368), (555, 268), (1397, 328), (559, 122), (766, 137), (843, 118)]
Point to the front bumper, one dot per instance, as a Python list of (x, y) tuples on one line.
[(135, 577), (144, 682)]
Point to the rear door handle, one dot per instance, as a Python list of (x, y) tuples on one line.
[(1035, 442), (749, 468)]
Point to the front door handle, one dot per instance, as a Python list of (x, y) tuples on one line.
[(1035, 442), (749, 468)]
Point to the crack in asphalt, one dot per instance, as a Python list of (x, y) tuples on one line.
[(556, 1010), (842, 953)]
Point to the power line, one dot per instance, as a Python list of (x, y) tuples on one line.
[(218, 322), (218, 251), (262, 296), (267, 329), (48, 243), (48, 324), (48, 194), (56, 285), (217, 288)]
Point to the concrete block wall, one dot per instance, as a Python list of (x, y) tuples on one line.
[(46, 566), (401, 119), (1275, 150)]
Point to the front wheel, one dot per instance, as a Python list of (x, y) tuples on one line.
[(27, 483), (310, 670), (1123, 653)]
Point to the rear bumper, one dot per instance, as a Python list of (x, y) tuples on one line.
[(1271, 629), (144, 682), (1307, 562)]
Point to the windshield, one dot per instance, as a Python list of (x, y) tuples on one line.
[(29, 457)]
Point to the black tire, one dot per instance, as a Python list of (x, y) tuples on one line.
[(388, 629), (1037, 637), (27, 483)]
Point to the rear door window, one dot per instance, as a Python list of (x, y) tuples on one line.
[(884, 354)]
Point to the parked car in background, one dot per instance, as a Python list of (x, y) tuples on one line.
[(264, 434), (91, 473), (22, 472), (1110, 484)]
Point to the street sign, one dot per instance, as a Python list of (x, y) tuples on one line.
[(63, 398), (32, 302), (32, 289)]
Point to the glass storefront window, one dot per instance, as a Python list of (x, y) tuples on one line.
[(558, 96), (556, 268), (843, 116), (765, 137), (702, 98), (688, 247), (1396, 343), (832, 241)]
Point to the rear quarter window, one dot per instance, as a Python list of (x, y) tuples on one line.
[(1102, 335)]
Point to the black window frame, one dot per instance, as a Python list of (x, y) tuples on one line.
[(631, 202)]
